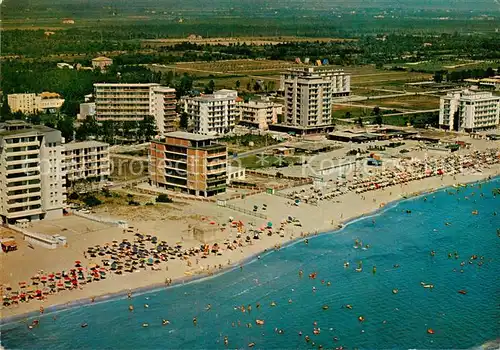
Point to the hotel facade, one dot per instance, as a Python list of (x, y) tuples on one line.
[(189, 163), (469, 111), (213, 114), (309, 92), (132, 102), (32, 172)]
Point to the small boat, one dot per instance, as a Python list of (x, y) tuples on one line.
[(325, 307), (259, 322), (395, 291), (84, 325), (349, 306), (251, 345), (165, 322), (462, 291), (145, 325), (361, 319), (475, 212), (430, 331), (425, 285)]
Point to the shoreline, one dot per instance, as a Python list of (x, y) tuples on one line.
[(100, 298)]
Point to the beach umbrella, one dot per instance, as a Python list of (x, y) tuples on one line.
[(269, 224)]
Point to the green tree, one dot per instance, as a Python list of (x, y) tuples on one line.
[(376, 110), (378, 119), (438, 76), (147, 127), (237, 84), (359, 121), (209, 89), (184, 120), (5, 112), (66, 127)]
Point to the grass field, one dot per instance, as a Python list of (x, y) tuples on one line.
[(451, 65), (128, 169), (419, 102)]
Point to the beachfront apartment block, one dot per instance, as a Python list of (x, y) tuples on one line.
[(123, 102), (32, 172), (32, 103), (87, 163), (469, 111), (309, 92), (191, 163), (259, 113), (132, 102), (212, 114)]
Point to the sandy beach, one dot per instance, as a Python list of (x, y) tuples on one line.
[(325, 217)]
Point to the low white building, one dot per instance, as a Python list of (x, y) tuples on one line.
[(213, 114), (235, 173), (87, 162), (86, 109), (469, 111), (259, 113), (33, 103)]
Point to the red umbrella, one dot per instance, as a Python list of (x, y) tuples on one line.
[(51, 275), (43, 278), (38, 291), (78, 262)]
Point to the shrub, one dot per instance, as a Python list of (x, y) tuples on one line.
[(134, 203), (73, 196), (92, 201), (163, 198)]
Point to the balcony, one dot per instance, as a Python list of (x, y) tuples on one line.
[(24, 213), (24, 204), (24, 178), (23, 170), (22, 144)]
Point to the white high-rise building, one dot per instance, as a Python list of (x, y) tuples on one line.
[(469, 110), (32, 172), (213, 114), (87, 162), (309, 92), (132, 102), (163, 109)]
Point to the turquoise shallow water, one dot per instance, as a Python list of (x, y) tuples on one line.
[(396, 237)]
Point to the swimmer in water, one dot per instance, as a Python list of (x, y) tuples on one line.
[(195, 321), (208, 307)]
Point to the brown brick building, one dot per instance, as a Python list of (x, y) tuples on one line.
[(190, 163)]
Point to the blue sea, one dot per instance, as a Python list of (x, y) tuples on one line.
[(403, 234)]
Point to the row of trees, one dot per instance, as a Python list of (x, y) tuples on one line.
[(456, 76), (113, 132)]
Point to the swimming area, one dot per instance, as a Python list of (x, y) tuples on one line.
[(403, 235)]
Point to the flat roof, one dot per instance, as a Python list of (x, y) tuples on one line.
[(189, 136), (84, 144)]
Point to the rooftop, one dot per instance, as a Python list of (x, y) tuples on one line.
[(126, 84), (15, 127), (84, 144), (188, 136), (101, 58)]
